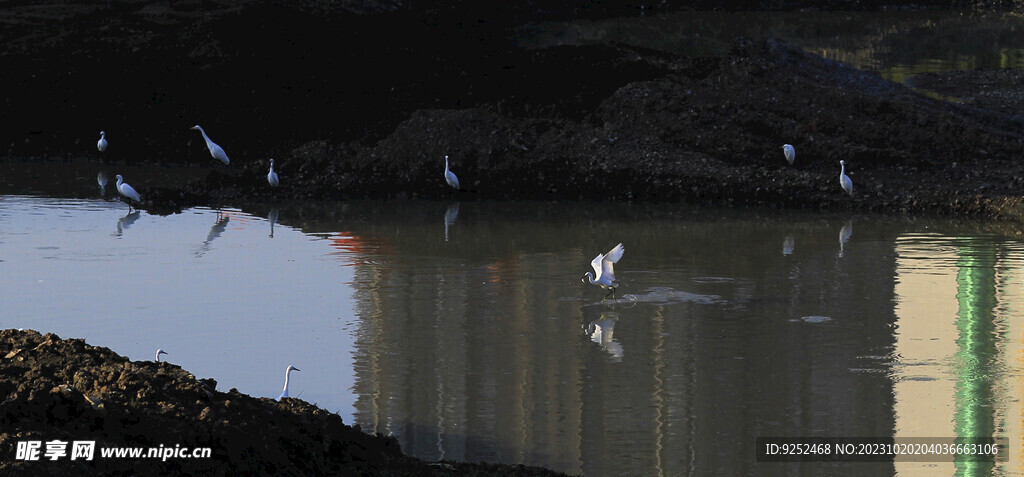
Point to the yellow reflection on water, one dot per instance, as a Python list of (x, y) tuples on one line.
[(939, 389)]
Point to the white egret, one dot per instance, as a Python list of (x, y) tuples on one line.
[(844, 180), (272, 176), (216, 151), (102, 143), (284, 393), (158, 353), (604, 267), (790, 153), (128, 192), (449, 176)]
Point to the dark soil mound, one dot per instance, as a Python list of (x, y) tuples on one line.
[(350, 109), (67, 390), (997, 90)]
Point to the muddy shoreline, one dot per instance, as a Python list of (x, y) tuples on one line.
[(349, 110)]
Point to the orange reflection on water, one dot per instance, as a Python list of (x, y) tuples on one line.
[(355, 250)]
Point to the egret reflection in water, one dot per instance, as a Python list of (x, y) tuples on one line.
[(787, 245), (125, 222), (449, 218), (272, 218), (844, 235), (102, 180), (218, 228), (601, 331)]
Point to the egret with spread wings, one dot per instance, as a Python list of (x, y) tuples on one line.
[(604, 268)]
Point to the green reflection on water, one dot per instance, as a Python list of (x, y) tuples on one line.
[(976, 348)]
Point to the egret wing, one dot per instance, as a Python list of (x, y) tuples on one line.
[(608, 263), (847, 184), (596, 264), (129, 192), (218, 153)]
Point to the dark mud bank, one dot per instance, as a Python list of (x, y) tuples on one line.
[(67, 390), (350, 109), (699, 130)]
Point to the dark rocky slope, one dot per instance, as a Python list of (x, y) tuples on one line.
[(67, 390), (364, 99)]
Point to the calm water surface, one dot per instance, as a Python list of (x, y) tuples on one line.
[(465, 331)]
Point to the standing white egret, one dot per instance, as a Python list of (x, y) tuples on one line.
[(790, 153), (158, 353), (284, 393), (216, 151), (102, 143), (604, 267), (449, 176), (844, 180), (128, 192), (272, 176)]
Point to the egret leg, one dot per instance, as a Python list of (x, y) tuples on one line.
[(611, 293)]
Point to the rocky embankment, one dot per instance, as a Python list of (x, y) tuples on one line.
[(349, 109), (67, 390)]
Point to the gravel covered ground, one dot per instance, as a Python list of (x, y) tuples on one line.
[(67, 390), (349, 109)]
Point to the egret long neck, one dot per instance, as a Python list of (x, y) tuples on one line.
[(286, 373)]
